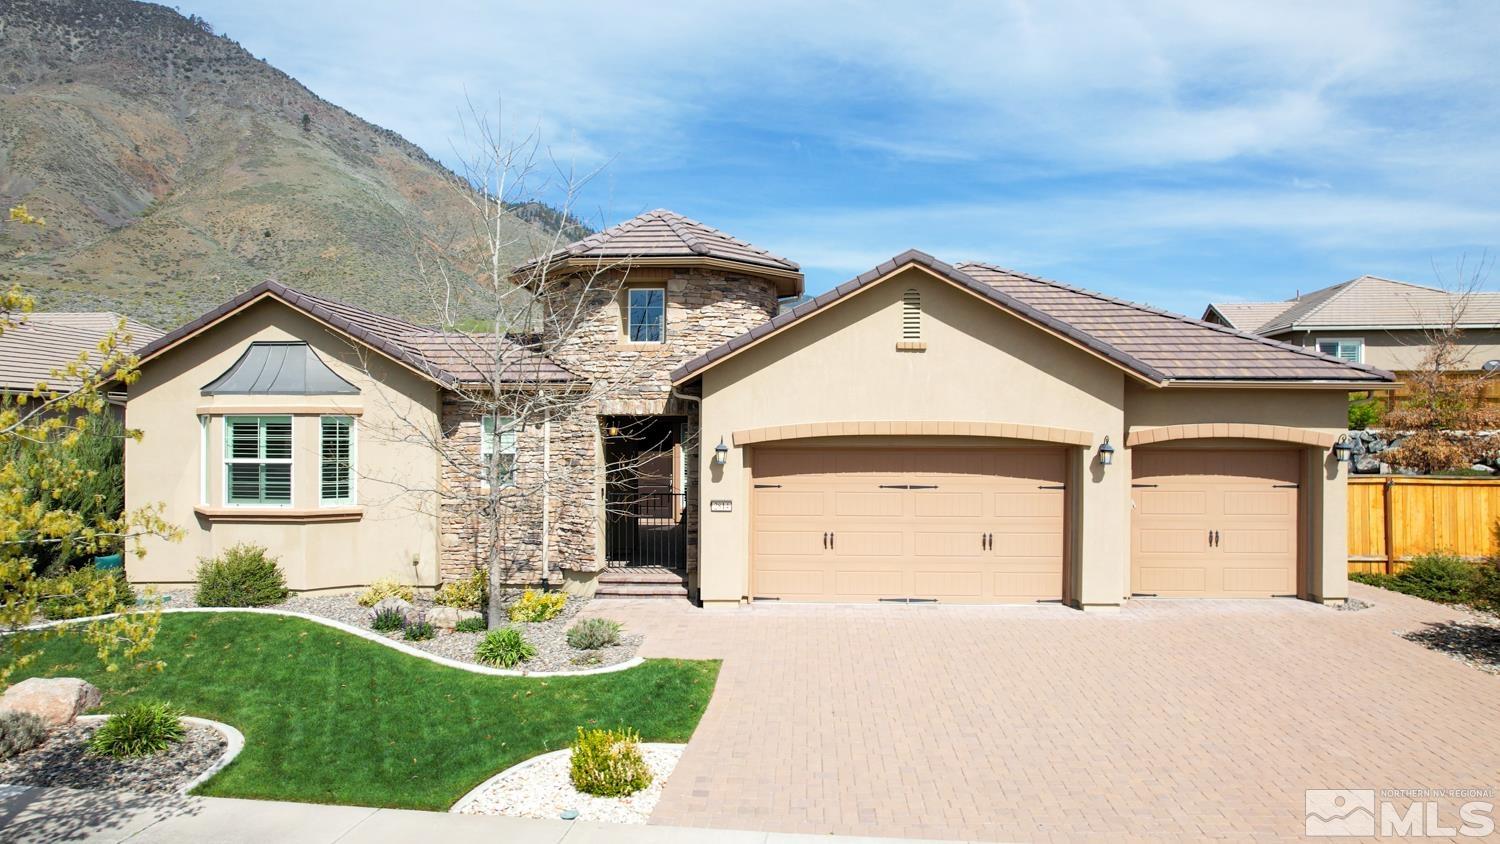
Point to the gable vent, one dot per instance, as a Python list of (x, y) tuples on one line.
[(911, 315)]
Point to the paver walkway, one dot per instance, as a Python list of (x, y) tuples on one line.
[(1169, 720)]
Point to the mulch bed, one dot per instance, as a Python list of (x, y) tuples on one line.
[(550, 637), (63, 760)]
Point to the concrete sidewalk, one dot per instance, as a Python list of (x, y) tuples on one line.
[(62, 814)]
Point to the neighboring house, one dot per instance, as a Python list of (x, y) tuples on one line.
[(39, 344), (924, 432), (1372, 320)]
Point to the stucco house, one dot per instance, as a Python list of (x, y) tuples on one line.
[(926, 431), (1372, 320)]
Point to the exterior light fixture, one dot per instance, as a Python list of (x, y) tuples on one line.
[(721, 452), (1106, 452), (1342, 450)]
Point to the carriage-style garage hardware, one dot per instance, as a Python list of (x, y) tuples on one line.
[(908, 486), (1053, 486), (768, 486)]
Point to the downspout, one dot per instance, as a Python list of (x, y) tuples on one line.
[(546, 500)]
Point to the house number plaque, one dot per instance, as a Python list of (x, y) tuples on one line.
[(720, 505)]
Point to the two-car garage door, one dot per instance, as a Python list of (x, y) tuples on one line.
[(952, 524)]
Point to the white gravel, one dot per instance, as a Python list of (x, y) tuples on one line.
[(553, 653), (540, 788)]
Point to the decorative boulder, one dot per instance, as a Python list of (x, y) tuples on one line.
[(447, 618), (57, 701), (1366, 465), (400, 605)]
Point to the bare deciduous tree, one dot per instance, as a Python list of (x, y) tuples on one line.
[(536, 353)]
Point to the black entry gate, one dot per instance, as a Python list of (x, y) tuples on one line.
[(646, 529)]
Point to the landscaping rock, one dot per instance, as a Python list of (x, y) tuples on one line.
[(447, 618), (400, 605), (57, 701), (1366, 465), (1480, 467)]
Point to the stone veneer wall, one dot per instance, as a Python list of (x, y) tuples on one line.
[(705, 308)]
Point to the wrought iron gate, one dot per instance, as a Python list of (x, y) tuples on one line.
[(646, 529)]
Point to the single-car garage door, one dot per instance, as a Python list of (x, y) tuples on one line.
[(1214, 523), (961, 525)]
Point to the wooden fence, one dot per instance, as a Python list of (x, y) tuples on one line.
[(1392, 519)]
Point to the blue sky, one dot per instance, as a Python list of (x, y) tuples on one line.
[(1172, 153)]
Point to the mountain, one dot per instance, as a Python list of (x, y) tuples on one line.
[(175, 169)]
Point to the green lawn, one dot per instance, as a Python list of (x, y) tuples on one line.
[(332, 718)]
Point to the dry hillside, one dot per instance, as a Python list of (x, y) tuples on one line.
[(174, 169)]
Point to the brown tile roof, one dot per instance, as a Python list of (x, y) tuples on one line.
[(451, 359), (666, 234), (1178, 347), (31, 350), (1370, 302), (1246, 316), (1156, 345)]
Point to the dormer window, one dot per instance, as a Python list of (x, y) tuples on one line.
[(646, 315)]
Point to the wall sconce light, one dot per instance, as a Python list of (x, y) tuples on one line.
[(1106, 452), (721, 452), (1342, 450)]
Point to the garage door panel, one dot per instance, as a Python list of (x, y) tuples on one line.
[(1157, 502), (784, 543), (1192, 540), (1026, 585), (1038, 544), (868, 583), (870, 503), (947, 544), (1273, 502), (1215, 522), (788, 502), (868, 543), (803, 583), (1041, 504), (942, 505), (924, 538), (1275, 581), (1166, 579), (967, 584), (1265, 542)]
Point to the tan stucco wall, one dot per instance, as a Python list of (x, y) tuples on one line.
[(396, 474), (980, 365), (1402, 350)]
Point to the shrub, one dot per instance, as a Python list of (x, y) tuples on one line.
[(534, 606), (1486, 595), (594, 633), (388, 619), (1363, 413), (420, 631), (72, 595), (97, 492), (471, 593), (385, 588), (505, 647), (243, 576), (470, 625), (19, 732), (1438, 576), (608, 763), (142, 729)]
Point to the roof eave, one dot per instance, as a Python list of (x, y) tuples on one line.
[(789, 282)]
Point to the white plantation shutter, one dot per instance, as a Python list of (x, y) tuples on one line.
[(499, 431), (336, 471), (1349, 350), (258, 460)]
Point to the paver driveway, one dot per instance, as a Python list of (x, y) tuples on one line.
[(1171, 719)]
